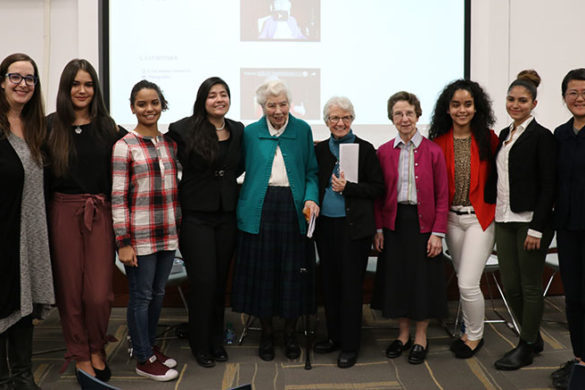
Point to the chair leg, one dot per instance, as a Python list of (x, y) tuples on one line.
[(247, 327), (515, 325), (549, 283)]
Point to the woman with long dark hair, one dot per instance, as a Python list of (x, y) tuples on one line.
[(209, 151), (523, 186), (461, 127), (26, 283), (81, 134)]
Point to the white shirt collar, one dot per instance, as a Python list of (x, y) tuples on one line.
[(276, 132)]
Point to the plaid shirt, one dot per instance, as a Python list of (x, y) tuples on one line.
[(145, 205)]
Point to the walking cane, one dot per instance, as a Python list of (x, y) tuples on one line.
[(305, 275)]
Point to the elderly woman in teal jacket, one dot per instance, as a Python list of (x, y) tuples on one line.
[(280, 187)]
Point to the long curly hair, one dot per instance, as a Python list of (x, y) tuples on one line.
[(481, 123)]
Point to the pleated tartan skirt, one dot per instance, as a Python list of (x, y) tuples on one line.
[(408, 283), (274, 270)]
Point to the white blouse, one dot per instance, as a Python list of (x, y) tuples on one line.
[(503, 211), (278, 175)]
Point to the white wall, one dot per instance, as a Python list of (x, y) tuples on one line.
[(507, 36)]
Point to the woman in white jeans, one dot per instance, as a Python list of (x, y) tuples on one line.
[(461, 127)]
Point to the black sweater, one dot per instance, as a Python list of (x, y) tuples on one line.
[(204, 186), (359, 197), (532, 172)]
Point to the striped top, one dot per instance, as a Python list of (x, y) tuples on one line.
[(145, 206), (406, 181)]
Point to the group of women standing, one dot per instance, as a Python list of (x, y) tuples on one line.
[(107, 187)]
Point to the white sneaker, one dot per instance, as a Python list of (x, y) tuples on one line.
[(155, 370)]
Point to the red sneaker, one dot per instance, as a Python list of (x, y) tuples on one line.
[(164, 359), (155, 370)]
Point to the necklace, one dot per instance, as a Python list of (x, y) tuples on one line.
[(221, 128), (78, 130)]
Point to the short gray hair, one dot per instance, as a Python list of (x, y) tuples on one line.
[(339, 101), (271, 88)]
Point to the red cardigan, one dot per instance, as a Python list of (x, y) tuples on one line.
[(479, 173), (431, 187)]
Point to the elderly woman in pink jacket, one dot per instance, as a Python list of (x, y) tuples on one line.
[(412, 220)]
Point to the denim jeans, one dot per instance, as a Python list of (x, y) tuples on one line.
[(147, 290)]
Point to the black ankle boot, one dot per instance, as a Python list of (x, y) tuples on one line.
[(20, 339), (519, 357)]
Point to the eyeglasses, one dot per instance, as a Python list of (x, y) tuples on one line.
[(573, 94), (345, 119), (16, 78), (400, 114)]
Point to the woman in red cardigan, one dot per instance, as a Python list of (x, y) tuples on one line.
[(411, 220), (461, 127)]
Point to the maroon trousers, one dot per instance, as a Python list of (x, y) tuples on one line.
[(83, 255)]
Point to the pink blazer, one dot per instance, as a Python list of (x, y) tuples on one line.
[(432, 189)]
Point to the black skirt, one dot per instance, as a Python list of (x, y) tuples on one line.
[(274, 270), (408, 283)]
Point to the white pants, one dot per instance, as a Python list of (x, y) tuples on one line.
[(470, 247)]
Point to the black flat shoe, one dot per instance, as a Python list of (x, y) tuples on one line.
[(456, 345), (346, 359), (418, 354), (266, 349), (396, 348), (464, 352), (325, 346), (219, 354), (205, 360), (103, 375), (292, 350), (519, 357)]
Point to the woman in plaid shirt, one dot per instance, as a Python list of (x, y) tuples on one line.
[(146, 213)]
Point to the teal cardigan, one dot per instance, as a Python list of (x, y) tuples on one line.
[(258, 148)]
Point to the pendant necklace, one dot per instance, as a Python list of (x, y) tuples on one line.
[(78, 130)]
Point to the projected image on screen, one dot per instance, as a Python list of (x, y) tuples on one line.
[(365, 50), (303, 84), (292, 20)]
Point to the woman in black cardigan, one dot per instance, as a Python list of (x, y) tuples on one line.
[(569, 216), (209, 151), (345, 229), (522, 186)]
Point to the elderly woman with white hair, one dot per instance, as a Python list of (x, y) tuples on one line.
[(280, 182), (345, 230)]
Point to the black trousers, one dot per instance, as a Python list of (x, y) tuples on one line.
[(571, 247), (207, 242), (343, 263)]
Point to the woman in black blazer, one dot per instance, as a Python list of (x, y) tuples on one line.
[(569, 217), (523, 186), (345, 229), (209, 151)]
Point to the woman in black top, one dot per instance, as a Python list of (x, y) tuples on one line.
[(209, 151), (26, 283), (79, 142), (345, 230), (522, 185), (569, 215)]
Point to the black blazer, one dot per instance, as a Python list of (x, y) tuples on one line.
[(359, 197), (204, 186), (570, 197), (532, 171)]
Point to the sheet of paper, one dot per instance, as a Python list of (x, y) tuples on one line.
[(348, 161), (311, 227)]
